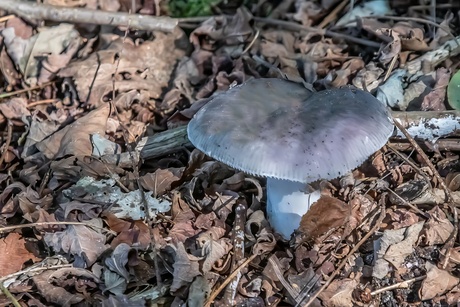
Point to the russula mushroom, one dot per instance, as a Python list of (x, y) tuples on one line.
[(280, 130)]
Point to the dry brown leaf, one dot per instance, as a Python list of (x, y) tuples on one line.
[(55, 294), (397, 252), (144, 67), (339, 293), (75, 139), (437, 229), (434, 101), (14, 254), (160, 181), (327, 213), (212, 250), (186, 267), (135, 233), (14, 108), (82, 242), (437, 282)]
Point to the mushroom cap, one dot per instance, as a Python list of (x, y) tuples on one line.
[(277, 128)]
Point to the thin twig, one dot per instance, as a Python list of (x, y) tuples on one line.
[(294, 27), (399, 285), (10, 296), (35, 269), (6, 18), (450, 200), (414, 19), (298, 27), (39, 102), (8, 141), (333, 15), (345, 260), (408, 204), (40, 224), (6, 95), (238, 253), (31, 10), (425, 159), (230, 277)]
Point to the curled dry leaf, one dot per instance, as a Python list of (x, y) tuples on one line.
[(82, 242), (437, 229), (437, 282), (53, 293), (339, 293), (397, 252), (44, 53), (75, 139), (186, 267), (14, 108), (14, 254), (434, 101), (145, 67), (160, 181), (326, 214)]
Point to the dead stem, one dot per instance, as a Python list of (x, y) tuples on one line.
[(6, 95), (229, 278), (10, 296), (39, 224), (39, 102), (8, 141), (352, 251), (60, 266), (450, 200), (399, 285), (298, 27), (38, 11), (238, 253), (333, 14)]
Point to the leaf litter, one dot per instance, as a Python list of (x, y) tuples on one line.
[(85, 221)]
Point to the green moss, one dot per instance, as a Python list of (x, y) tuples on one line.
[(191, 8)]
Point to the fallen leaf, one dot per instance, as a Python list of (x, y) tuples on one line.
[(326, 214), (80, 241), (437, 229), (437, 282), (14, 254), (75, 139)]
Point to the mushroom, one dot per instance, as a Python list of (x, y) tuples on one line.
[(280, 130)]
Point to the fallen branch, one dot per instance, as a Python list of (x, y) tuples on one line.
[(30, 10), (425, 125)]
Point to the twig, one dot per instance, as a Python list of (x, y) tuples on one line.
[(6, 95), (450, 243), (230, 277), (390, 68), (425, 159), (333, 15), (294, 27), (399, 285), (31, 10), (238, 253), (8, 141), (39, 102), (10, 296), (298, 27), (6, 18), (38, 224), (414, 19), (345, 260), (35, 269), (408, 204)]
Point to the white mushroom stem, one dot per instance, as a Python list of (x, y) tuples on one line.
[(287, 202)]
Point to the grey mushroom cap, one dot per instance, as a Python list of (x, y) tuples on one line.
[(277, 128)]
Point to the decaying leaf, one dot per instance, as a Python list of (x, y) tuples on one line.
[(326, 214), (14, 254), (437, 282), (75, 139), (82, 242)]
